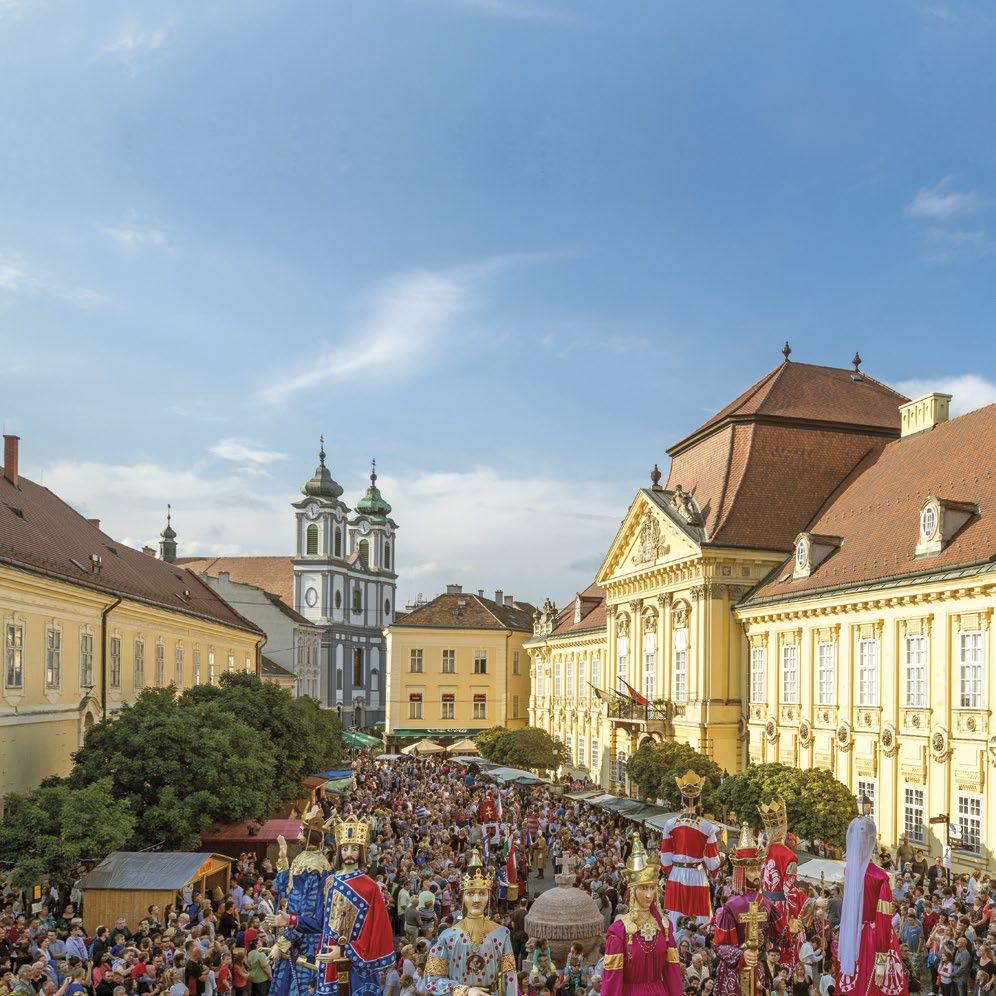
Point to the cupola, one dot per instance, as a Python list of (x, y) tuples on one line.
[(167, 539), (372, 504), (321, 484)]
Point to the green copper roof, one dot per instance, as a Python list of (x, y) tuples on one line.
[(321, 484), (169, 533), (372, 503)]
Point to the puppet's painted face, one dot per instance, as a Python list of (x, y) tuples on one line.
[(350, 854), (475, 901), (644, 895)]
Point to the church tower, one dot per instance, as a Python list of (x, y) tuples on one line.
[(167, 539)]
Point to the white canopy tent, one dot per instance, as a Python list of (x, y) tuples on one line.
[(822, 870), (424, 747)]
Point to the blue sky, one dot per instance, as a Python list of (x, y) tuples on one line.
[(512, 248)]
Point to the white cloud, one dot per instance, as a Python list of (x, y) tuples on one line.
[(132, 41), (245, 451), (132, 236), (942, 201), (968, 391), (513, 10), (942, 246), (18, 277), (562, 346)]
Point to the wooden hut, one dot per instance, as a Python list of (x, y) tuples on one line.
[(234, 839), (127, 883)]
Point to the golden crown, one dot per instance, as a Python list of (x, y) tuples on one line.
[(476, 877), (690, 785), (775, 817), (352, 832), (641, 868)]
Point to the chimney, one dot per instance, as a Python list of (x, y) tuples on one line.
[(480, 593), (94, 522), (225, 576), (508, 600), (499, 596), (923, 413), (454, 589), (148, 551), (10, 459)]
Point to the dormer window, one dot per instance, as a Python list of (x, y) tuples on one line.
[(811, 550), (940, 520)]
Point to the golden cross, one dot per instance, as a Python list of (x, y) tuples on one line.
[(753, 919)]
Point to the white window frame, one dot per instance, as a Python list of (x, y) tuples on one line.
[(86, 659), (139, 664), (915, 671), (515, 662), (196, 658), (569, 679), (868, 787), (596, 671), (680, 655), (972, 669), (53, 657), (178, 663), (622, 660), (826, 672), (556, 680), (447, 710), (231, 661), (582, 756), (480, 662), (416, 661), (758, 675), (481, 709), (414, 708), (868, 672), (13, 655), (515, 707), (212, 669), (160, 664), (582, 670), (914, 812), (569, 744), (114, 661), (790, 674), (596, 756), (448, 662), (649, 665), (971, 819)]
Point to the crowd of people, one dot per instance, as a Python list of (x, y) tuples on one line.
[(427, 817)]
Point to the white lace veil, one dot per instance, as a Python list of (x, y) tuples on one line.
[(861, 837)]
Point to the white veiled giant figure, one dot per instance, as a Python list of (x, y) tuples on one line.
[(861, 837)]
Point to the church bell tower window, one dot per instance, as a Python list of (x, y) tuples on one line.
[(312, 540)]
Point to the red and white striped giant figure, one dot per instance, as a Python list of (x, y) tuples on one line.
[(689, 855)]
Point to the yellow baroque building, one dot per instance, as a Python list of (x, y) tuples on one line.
[(87, 623), (692, 597), (457, 666)]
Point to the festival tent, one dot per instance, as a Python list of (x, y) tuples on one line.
[(820, 870), (465, 746), (588, 794), (618, 804), (424, 747), (354, 738), (388, 757), (644, 813)]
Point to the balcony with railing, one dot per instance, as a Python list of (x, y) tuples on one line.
[(627, 711)]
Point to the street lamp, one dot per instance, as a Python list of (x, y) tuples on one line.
[(865, 805)]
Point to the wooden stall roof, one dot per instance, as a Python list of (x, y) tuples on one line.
[(238, 833), (152, 870)]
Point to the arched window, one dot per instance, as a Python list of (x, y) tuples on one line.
[(312, 535), (621, 761), (387, 556), (338, 599), (364, 551), (338, 542)]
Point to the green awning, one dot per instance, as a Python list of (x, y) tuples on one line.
[(644, 814), (621, 805), (435, 733), (340, 785), (581, 796), (356, 739)]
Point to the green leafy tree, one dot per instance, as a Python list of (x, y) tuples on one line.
[(655, 766), (819, 806), (495, 744), (49, 831), (533, 747)]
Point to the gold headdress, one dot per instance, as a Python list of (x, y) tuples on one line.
[(476, 877), (747, 856), (352, 831), (690, 785), (641, 868), (775, 817)]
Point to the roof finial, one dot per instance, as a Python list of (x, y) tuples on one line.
[(857, 361), (655, 478), (786, 351), (321, 450), (373, 470), (169, 513)]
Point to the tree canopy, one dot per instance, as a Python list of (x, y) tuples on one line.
[(655, 766), (819, 806), (528, 747)]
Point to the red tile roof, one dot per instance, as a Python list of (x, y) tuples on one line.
[(271, 669), (763, 466), (463, 610), (593, 613), (876, 511), (40, 532), (272, 574)]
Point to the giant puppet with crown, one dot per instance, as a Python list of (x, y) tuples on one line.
[(779, 884), (300, 884), (689, 855), (356, 942), (641, 958), (473, 957)]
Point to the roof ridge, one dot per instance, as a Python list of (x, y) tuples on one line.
[(481, 598)]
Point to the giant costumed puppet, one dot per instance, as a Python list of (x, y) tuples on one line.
[(300, 883), (356, 942), (641, 958), (743, 924), (870, 963), (473, 957), (689, 855), (779, 885)]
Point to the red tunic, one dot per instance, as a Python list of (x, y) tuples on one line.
[(689, 854), (634, 966), (877, 937), (778, 884)]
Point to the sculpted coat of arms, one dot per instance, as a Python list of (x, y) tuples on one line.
[(650, 544)]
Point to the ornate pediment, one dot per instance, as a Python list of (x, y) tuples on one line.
[(650, 543)]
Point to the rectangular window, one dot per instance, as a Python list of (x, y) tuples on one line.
[(53, 657), (868, 672), (913, 822), (480, 706), (866, 788), (681, 676), (338, 679), (515, 662), (414, 705), (449, 662), (480, 662), (758, 679), (826, 673), (448, 706), (515, 707), (582, 756), (970, 822), (249, 667), (139, 665), (178, 666), (86, 660), (569, 685), (160, 665), (569, 744), (14, 655), (231, 662), (211, 668), (357, 599), (649, 664), (622, 659), (596, 672), (197, 665), (790, 674), (915, 672), (540, 688), (582, 682), (114, 652), (971, 663), (556, 680), (415, 661), (596, 756)]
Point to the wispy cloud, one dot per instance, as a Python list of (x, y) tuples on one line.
[(245, 451), (135, 46), (13, 8), (942, 201), (513, 10), (133, 236), (563, 346), (17, 276), (968, 391), (943, 246)]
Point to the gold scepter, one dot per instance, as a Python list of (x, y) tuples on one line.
[(752, 920)]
